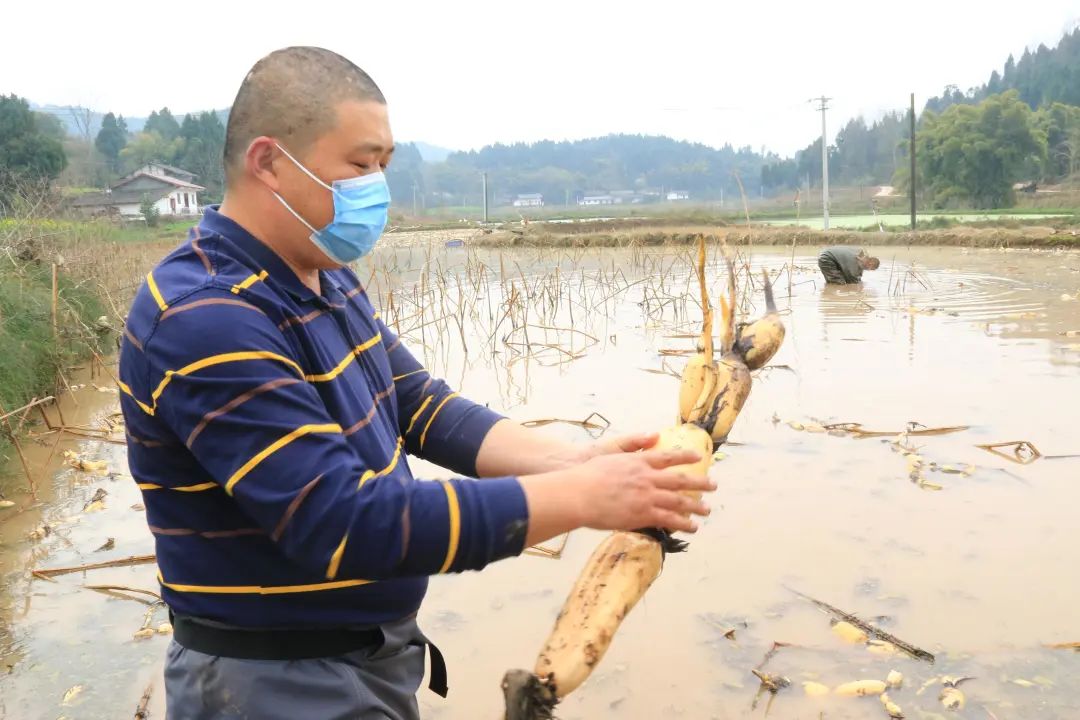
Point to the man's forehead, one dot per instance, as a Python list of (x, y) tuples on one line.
[(364, 126)]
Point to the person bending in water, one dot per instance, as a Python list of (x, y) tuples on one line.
[(844, 265)]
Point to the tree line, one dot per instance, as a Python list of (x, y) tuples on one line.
[(1022, 126), (1040, 78)]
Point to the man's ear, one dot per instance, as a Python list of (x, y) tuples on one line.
[(259, 161)]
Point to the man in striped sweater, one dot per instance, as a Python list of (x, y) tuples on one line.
[(270, 413)]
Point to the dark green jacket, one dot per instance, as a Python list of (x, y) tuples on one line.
[(840, 265)]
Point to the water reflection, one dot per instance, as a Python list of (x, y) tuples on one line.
[(842, 309)]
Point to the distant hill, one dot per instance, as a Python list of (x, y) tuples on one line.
[(1041, 77), (604, 167), (432, 153)]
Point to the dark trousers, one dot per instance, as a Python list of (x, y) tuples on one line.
[(832, 272), (377, 682)]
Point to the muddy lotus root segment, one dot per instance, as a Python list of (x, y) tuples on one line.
[(625, 564)]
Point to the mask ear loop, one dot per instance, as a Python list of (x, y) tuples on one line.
[(294, 213), (298, 164), (307, 172)]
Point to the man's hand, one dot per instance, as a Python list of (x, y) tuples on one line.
[(510, 449), (614, 445), (566, 455), (616, 491)]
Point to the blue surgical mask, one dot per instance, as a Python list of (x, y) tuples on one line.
[(361, 206)]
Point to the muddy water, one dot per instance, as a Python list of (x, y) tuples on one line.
[(58, 635), (981, 572)]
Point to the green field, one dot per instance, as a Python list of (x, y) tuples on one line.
[(851, 222)]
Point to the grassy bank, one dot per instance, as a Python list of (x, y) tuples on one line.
[(1019, 234), (32, 353), (100, 265)]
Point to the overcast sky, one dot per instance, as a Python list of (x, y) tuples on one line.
[(467, 73)]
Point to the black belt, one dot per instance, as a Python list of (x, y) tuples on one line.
[(220, 640)]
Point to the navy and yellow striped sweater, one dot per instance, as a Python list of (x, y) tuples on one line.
[(268, 429)]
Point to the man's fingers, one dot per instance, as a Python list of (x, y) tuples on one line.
[(680, 503), (661, 459), (674, 521), (633, 443), (674, 480)]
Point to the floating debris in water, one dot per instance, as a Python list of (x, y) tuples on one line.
[(849, 633), (927, 685), (952, 698), (891, 708), (1023, 451), (97, 502), (815, 689), (98, 467), (72, 693), (966, 470), (6, 504), (109, 545), (880, 647), (913, 651), (860, 688), (772, 683), (894, 679)]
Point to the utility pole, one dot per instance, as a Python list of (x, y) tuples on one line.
[(824, 160), (484, 176), (912, 153), (415, 212)]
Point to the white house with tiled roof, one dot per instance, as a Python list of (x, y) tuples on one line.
[(170, 189)]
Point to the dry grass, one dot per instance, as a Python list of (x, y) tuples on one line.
[(1050, 234)]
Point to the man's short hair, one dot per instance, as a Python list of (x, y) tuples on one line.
[(291, 94), (873, 263)]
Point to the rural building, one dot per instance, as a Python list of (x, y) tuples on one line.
[(596, 199), (170, 189), (678, 195), (529, 200), (626, 196)]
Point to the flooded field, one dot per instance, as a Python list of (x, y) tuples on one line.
[(904, 220), (974, 561)]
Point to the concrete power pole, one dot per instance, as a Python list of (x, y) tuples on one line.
[(484, 175), (912, 153), (824, 160)]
